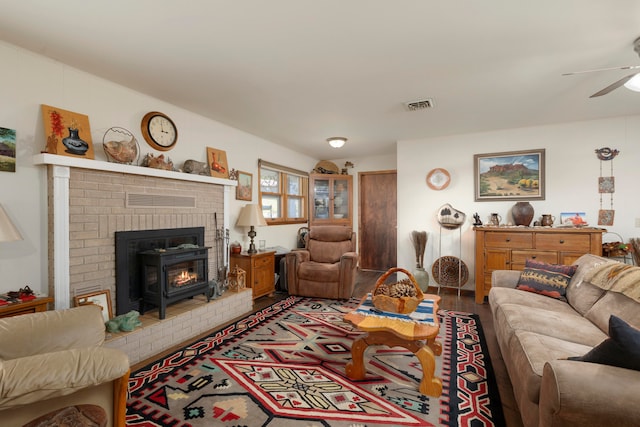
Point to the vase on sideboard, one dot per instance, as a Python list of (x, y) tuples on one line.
[(522, 213)]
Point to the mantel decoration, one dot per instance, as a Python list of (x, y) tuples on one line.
[(514, 175), (244, 190), (217, 160), (120, 146), (67, 133), (606, 184)]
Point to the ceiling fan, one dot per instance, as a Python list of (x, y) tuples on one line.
[(622, 81)]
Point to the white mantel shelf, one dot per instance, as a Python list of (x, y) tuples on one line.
[(77, 162)]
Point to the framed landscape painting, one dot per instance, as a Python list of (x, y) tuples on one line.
[(510, 175), (244, 189)]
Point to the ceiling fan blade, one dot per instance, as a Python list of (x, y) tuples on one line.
[(628, 67), (613, 86)]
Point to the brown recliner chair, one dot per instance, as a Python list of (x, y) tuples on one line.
[(326, 268)]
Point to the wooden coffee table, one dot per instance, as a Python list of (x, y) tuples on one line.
[(390, 329)]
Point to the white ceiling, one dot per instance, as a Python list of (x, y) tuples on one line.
[(298, 71)]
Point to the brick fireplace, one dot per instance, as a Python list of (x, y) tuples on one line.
[(90, 200)]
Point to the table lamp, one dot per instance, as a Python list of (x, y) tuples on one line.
[(8, 231), (251, 216)]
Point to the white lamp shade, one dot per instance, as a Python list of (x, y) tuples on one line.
[(634, 83), (250, 214), (8, 231)]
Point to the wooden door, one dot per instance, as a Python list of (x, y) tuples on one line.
[(377, 224)]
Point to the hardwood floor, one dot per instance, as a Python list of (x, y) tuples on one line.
[(450, 301)]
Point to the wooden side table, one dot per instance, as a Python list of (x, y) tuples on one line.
[(419, 337), (18, 308), (260, 271)]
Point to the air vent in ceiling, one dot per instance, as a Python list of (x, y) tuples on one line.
[(420, 104), (137, 200)]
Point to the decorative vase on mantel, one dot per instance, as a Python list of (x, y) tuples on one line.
[(522, 213)]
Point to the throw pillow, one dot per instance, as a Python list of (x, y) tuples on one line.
[(546, 279), (621, 349)]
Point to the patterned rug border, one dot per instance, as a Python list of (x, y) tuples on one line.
[(461, 409)]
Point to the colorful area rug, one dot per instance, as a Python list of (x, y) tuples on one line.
[(285, 366)]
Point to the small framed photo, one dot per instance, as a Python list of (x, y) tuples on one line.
[(510, 175), (101, 299), (576, 219), (244, 190)]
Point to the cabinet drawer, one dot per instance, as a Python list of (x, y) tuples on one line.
[(508, 240), (564, 242), (262, 261), (519, 257)]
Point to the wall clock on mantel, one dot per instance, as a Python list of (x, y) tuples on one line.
[(159, 131)]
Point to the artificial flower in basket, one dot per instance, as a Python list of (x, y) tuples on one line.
[(400, 297)]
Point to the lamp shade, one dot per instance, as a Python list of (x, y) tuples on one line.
[(8, 231), (250, 214)]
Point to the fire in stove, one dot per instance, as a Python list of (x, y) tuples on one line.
[(183, 278)]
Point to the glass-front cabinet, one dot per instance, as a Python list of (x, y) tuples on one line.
[(331, 199)]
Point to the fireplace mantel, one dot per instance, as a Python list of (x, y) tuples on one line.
[(60, 171), (77, 162)]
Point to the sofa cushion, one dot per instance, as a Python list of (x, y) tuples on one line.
[(565, 324), (527, 354), (614, 303), (499, 296), (621, 349), (546, 279), (581, 294)]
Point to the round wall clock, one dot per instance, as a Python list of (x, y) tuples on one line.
[(159, 131), (438, 178)]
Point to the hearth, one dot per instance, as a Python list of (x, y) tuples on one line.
[(173, 274), (129, 275)]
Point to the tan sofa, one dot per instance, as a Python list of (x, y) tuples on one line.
[(536, 334), (55, 359), (327, 267)]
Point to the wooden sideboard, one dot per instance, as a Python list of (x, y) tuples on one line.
[(507, 248)]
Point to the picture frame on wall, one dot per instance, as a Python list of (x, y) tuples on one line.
[(7, 150), (100, 298), (67, 133), (244, 190), (509, 175), (217, 160)]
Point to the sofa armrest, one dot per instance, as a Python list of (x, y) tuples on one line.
[(36, 378), (587, 394), (505, 278), (50, 331)]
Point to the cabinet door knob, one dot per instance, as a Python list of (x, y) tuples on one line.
[(561, 241), (534, 257), (508, 240)]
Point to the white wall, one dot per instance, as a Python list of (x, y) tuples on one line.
[(28, 80), (572, 171)]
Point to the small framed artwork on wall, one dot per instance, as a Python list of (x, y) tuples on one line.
[(7, 150), (244, 190)]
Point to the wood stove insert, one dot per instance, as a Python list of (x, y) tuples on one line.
[(173, 274)]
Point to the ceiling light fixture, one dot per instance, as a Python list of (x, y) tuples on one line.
[(634, 83), (337, 141)]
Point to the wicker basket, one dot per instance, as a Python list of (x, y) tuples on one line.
[(403, 305)]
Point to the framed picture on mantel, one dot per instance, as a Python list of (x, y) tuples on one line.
[(509, 175)]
